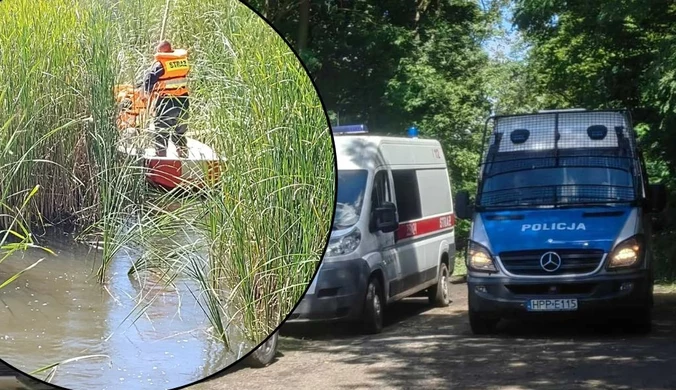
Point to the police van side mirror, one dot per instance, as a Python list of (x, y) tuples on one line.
[(386, 219), (657, 197), (463, 206)]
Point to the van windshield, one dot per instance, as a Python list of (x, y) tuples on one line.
[(350, 197), (558, 186)]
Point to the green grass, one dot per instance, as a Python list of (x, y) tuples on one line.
[(665, 288), (261, 228), (460, 267)]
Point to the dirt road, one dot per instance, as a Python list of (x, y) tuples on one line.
[(434, 348)]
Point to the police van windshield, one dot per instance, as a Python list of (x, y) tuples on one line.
[(572, 159), (350, 197), (558, 186)]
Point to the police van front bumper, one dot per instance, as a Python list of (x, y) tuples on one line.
[(508, 296), (339, 293)]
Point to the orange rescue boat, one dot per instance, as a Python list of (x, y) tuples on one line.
[(201, 165)]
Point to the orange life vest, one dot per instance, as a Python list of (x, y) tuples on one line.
[(131, 106), (174, 81)]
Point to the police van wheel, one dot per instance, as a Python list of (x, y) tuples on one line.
[(439, 295), (373, 307), (263, 356), (482, 325)]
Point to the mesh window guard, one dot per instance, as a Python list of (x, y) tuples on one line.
[(559, 158)]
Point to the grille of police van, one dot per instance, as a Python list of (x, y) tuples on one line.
[(573, 262)]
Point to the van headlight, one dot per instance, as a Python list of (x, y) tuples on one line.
[(627, 253), (345, 244), (479, 258)]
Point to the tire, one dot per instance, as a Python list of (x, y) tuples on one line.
[(638, 321), (482, 325), (265, 354), (440, 295), (373, 307)]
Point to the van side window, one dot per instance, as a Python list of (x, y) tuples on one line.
[(406, 190), (381, 190), (380, 194), (435, 198)]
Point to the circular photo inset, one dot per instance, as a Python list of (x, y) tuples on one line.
[(167, 190)]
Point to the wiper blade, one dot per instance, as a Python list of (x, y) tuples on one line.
[(600, 203), (513, 206)]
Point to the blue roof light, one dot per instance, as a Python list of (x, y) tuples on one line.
[(349, 129), (597, 132), (413, 132), (519, 136)]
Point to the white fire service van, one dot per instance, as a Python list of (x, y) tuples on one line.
[(393, 232)]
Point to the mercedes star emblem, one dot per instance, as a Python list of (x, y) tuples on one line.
[(550, 262)]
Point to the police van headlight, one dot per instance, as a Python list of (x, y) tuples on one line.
[(627, 253), (479, 258), (345, 244)]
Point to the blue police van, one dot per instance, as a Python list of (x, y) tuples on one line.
[(561, 220)]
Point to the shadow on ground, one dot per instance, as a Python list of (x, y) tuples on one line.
[(435, 348)]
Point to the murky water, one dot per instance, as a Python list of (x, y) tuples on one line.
[(58, 311)]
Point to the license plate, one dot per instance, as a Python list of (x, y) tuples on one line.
[(313, 285), (551, 305)]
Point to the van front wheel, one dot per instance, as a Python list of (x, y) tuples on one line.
[(439, 294), (373, 307), (263, 356)]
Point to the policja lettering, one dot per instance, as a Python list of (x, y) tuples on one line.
[(553, 226)]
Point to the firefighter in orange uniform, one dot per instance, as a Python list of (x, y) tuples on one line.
[(167, 85)]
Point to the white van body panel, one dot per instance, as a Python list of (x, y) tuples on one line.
[(408, 258)]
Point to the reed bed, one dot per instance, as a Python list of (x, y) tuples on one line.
[(269, 222), (253, 239)]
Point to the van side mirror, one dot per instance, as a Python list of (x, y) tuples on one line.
[(386, 219), (657, 197), (463, 206)]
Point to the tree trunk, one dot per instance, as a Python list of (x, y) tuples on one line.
[(303, 24), (421, 7)]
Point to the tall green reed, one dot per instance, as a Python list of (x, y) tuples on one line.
[(263, 226), (38, 74), (16, 236), (117, 179), (266, 221), (270, 220)]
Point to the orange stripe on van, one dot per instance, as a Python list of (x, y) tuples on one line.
[(425, 226)]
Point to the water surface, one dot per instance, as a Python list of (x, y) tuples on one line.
[(58, 311)]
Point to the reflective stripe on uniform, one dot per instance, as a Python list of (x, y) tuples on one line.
[(175, 83)]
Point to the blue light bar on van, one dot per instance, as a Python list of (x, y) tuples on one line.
[(413, 132), (349, 129)]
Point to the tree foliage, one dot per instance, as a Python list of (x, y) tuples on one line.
[(392, 64), (612, 54)]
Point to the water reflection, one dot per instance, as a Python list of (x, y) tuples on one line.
[(58, 311)]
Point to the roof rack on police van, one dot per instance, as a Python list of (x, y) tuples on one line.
[(349, 129), (562, 110)]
